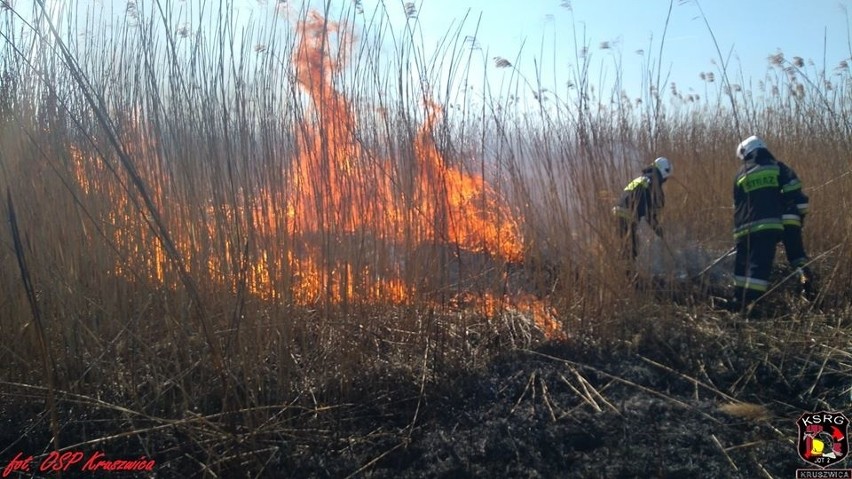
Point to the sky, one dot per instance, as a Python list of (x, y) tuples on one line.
[(541, 37)]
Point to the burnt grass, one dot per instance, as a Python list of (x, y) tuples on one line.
[(672, 393)]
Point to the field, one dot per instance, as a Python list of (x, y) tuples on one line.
[(281, 254)]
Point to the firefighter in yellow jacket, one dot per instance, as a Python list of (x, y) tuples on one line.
[(642, 198)]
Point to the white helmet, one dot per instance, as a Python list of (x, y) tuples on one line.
[(748, 146), (664, 165)]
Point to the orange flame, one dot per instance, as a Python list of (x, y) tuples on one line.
[(337, 188), (479, 220)]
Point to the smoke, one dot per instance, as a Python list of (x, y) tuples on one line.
[(680, 258)]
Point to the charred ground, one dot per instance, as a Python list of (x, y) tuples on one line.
[(680, 393)]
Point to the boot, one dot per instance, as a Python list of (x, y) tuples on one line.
[(757, 310), (734, 303), (807, 284), (752, 308)]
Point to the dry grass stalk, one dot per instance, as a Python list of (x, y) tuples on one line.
[(120, 142), (752, 412)]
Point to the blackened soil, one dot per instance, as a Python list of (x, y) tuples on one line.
[(713, 397)]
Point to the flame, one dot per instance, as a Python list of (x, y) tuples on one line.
[(479, 219), (334, 180), (337, 189)]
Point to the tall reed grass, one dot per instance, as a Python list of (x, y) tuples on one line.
[(152, 171)]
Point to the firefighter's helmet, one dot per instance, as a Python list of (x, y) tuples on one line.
[(664, 165), (748, 146)]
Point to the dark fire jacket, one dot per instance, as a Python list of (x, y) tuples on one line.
[(642, 198), (758, 199)]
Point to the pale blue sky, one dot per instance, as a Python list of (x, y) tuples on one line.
[(543, 33), (753, 28)]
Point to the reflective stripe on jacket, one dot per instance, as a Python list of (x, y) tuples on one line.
[(758, 202), (642, 198), (795, 201)]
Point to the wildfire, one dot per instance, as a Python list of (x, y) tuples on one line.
[(339, 190)]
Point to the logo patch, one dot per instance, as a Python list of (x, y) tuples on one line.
[(823, 438)]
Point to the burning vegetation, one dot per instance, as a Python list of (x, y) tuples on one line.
[(300, 259), (347, 226)]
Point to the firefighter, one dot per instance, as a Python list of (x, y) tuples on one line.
[(758, 209), (793, 216), (642, 198)]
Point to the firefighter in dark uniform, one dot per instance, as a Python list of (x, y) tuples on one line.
[(642, 198), (795, 209), (758, 208)]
